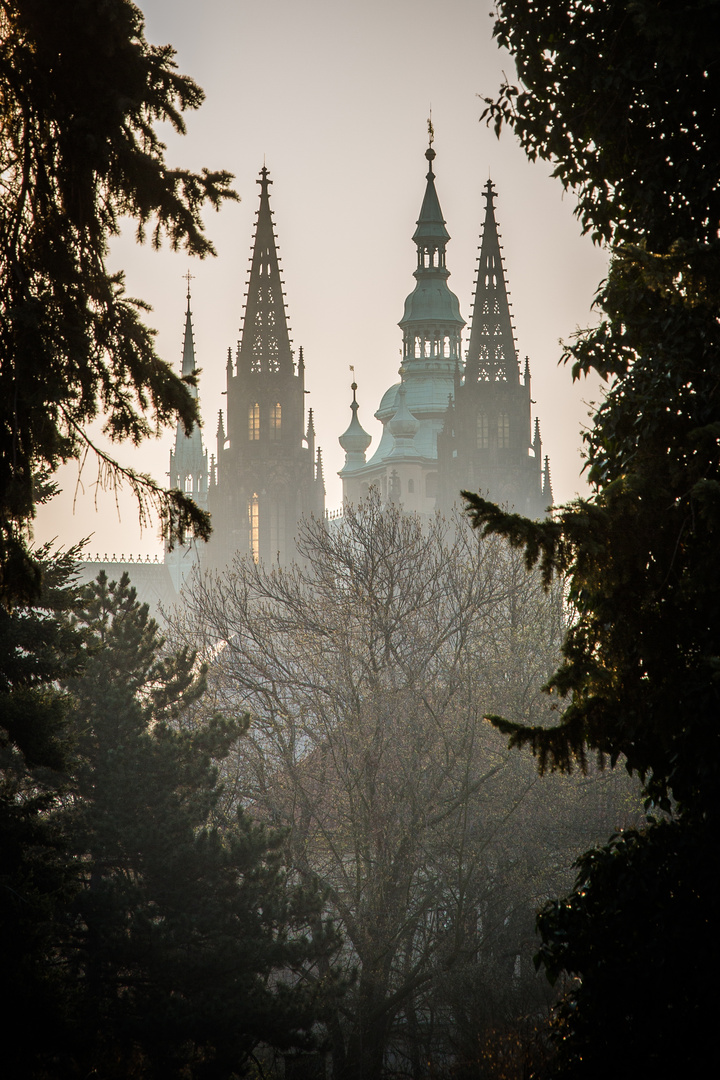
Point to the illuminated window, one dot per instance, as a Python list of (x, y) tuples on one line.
[(254, 422), (275, 422), (483, 435), (254, 526), (188, 485), (503, 431)]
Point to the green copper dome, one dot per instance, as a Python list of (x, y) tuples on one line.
[(431, 301)]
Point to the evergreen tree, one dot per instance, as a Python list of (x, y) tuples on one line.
[(623, 97), (183, 944), (38, 648), (80, 93)]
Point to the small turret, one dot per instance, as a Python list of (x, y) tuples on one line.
[(188, 459), (547, 484), (355, 440), (220, 434), (319, 472), (403, 427)]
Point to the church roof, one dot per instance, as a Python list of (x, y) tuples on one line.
[(430, 224)]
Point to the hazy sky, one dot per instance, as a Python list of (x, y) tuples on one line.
[(334, 95)]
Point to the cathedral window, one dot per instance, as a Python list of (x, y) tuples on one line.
[(275, 422), (254, 422), (254, 526), (483, 434), (188, 484), (503, 431)]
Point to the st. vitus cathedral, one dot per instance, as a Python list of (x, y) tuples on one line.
[(450, 426), (451, 423)]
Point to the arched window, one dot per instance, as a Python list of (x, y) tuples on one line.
[(411, 487), (483, 434), (503, 431), (254, 422), (275, 422), (188, 484), (254, 526)]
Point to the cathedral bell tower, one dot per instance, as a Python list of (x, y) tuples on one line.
[(487, 443), (404, 467), (266, 477)]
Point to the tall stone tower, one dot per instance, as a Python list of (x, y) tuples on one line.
[(267, 475), (487, 443), (404, 467), (188, 465)]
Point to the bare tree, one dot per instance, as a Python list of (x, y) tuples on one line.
[(367, 670)]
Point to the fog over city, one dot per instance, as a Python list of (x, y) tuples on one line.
[(334, 98)]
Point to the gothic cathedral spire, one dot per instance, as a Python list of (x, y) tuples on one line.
[(487, 443), (265, 342), (492, 356), (266, 477), (188, 461)]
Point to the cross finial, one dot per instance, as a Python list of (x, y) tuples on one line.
[(188, 277), (431, 130), (264, 178)]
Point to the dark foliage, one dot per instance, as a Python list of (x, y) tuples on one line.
[(639, 930), (641, 660), (38, 648), (80, 93), (623, 98), (178, 945)]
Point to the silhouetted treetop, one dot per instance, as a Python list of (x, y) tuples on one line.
[(80, 92)]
